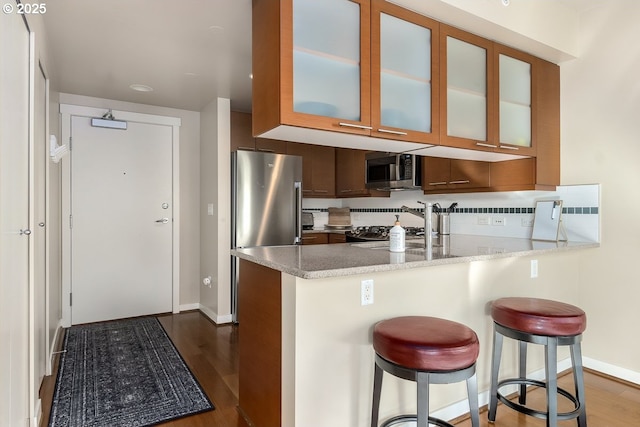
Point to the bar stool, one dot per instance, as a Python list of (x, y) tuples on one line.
[(426, 350), (548, 323)]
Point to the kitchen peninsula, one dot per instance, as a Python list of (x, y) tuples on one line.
[(305, 339)]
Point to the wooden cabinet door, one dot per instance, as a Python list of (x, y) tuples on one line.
[(337, 238), (404, 81), (318, 169), (449, 175), (271, 145), (315, 238), (325, 67), (469, 174), (435, 173), (516, 104), (467, 113), (323, 169), (241, 136), (350, 173)]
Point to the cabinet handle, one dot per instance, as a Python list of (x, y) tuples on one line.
[(482, 144), (247, 148), (266, 150), (351, 125), (465, 181), (309, 238), (507, 147), (321, 191), (438, 183), (394, 132), (346, 191)]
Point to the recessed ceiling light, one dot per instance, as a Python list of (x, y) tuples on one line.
[(141, 88), (251, 76)]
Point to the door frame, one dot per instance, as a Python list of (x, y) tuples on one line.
[(67, 111)]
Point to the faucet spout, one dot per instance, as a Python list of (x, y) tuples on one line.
[(412, 211), (428, 238)]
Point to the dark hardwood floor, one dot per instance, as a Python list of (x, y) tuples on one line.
[(212, 355)]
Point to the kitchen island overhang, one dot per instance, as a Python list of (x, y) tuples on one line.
[(339, 260), (325, 355)]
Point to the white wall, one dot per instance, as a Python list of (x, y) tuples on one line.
[(215, 301), (600, 101), (189, 186)]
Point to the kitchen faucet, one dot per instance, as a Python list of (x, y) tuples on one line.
[(428, 210)]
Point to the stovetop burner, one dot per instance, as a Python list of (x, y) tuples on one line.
[(378, 232)]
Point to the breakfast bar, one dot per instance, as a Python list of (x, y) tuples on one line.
[(306, 356)]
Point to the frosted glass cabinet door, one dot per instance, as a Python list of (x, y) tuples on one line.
[(515, 101), (326, 58), (466, 90), (405, 75)]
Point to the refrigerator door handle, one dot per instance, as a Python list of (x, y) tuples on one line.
[(298, 207)]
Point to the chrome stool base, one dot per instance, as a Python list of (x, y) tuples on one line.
[(423, 379), (551, 344)]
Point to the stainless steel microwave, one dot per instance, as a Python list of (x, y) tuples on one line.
[(393, 172)]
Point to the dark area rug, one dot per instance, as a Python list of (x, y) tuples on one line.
[(123, 373)]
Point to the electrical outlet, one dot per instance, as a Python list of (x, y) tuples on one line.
[(483, 220), (499, 220), (366, 292), (526, 222), (534, 268)]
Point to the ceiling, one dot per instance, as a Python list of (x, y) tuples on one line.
[(189, 51)]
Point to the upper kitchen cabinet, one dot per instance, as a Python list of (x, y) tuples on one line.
[(515, 92), (466, 79), (318, 169), (311, 65), (404, 74), (242, 138), (489, 94)]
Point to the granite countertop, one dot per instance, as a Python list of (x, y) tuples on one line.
[(344, 259)]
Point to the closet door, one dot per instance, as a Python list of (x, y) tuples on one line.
[(14, 218)]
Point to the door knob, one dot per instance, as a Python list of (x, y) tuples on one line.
[(163, 220), (41, 224), (25, 232)]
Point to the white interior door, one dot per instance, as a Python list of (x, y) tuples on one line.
[(14, 220), (121, 208)]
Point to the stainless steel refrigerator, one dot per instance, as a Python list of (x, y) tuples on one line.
[(266, 205)]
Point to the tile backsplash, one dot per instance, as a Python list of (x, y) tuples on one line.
[(475, 212)]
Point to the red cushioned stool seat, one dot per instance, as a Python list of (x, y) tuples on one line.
[(426, 343), (539, 316), (427, 350), (548, 323)]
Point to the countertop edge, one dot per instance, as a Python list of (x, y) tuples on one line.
[(341, 272)]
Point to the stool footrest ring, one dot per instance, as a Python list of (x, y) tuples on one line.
[(533, 412), (405, 418)]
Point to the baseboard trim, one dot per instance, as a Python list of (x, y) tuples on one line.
[(218, 320), (187, 307), (54, 348), (612, 370), (37, 414)]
